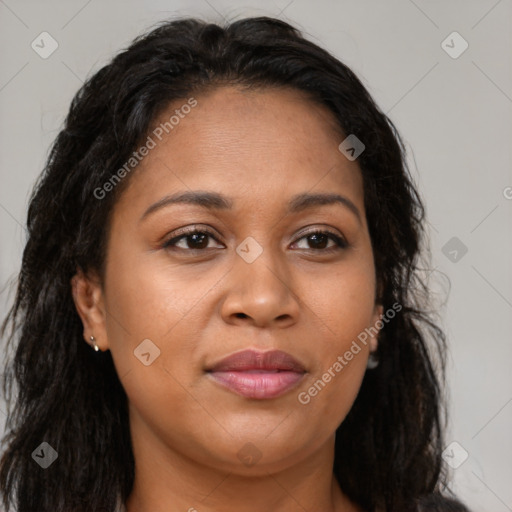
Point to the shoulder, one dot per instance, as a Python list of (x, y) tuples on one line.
[(439, 503)]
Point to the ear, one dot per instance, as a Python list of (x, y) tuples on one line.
[(89, 303), (377, 315)]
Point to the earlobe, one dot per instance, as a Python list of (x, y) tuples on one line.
[(378, 314), (89, 303)]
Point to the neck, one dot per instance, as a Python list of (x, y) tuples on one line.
[(166, 479)]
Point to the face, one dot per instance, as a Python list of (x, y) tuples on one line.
[(252, 268)]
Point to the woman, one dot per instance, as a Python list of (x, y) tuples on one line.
[(228, 222)]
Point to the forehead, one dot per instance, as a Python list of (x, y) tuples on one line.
[(257, 145)]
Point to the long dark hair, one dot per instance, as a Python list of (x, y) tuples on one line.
[(388, 449)]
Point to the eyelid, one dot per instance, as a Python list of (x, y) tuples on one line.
[(188, 231), (315, 228), (193, 228)]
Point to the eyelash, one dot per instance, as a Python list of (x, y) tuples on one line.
[(340, 242)]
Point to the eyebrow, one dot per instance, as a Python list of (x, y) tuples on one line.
[(216, 201)]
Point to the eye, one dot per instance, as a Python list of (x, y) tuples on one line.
[(192, 239), (319, 238)]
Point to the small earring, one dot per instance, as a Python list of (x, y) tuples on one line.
[(93, 341), (373, 361)]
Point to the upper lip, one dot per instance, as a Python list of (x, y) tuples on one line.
[(257, 360)]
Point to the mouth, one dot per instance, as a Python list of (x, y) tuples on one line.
[(258, 375)]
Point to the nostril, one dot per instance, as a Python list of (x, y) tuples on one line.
[(241, 315)]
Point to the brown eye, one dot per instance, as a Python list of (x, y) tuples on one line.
[(319, 239), (193, 240)]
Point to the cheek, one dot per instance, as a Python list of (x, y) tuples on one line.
[(342, 304), (156, 308), (148, 295), (332, 387), (154, 317)]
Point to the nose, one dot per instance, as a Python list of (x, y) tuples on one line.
[(260, 294)]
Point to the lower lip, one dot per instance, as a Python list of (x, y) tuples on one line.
[(260, 385)]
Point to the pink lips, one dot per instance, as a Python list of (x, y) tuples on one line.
[(260, 375)]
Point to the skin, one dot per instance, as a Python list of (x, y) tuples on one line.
[(259, 148)]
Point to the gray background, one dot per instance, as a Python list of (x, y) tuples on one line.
[(454, 113)]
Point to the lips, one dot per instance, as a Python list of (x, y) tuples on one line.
[(258, 375)]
